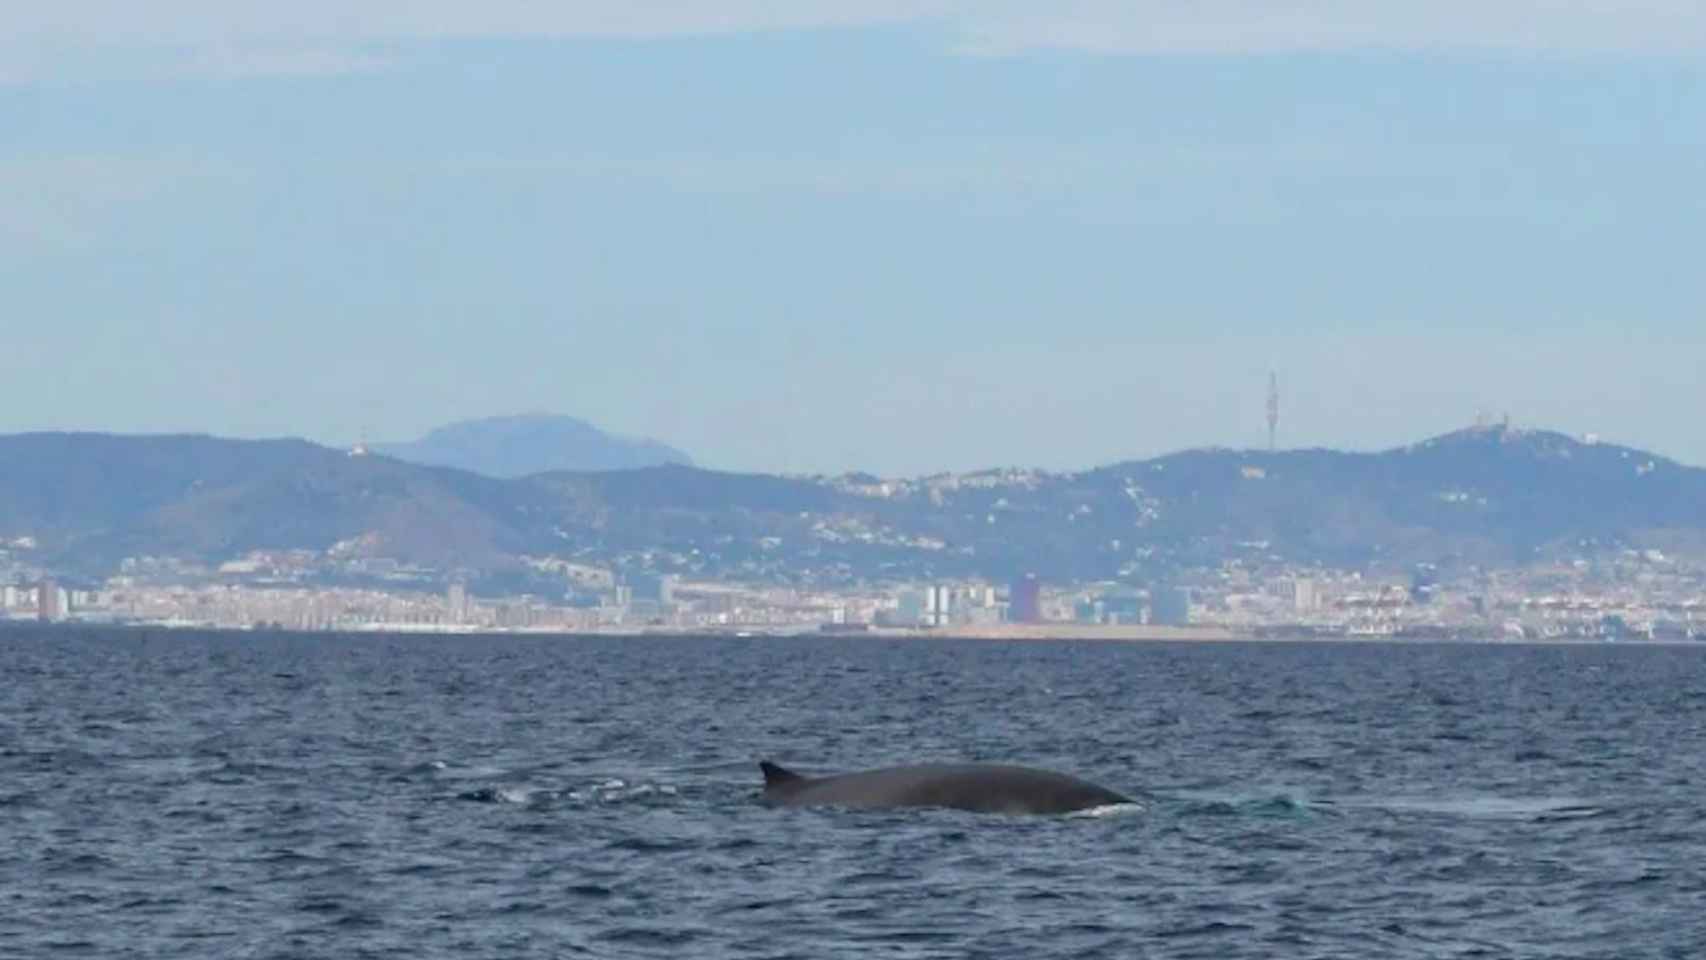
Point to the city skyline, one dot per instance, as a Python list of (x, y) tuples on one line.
[(894, 238)]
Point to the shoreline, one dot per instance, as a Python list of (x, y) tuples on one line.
[(1039, 633)]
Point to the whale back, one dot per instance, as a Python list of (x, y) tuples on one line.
[(778, 777), (982, 788)]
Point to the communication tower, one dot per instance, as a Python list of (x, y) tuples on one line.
[(1273, 408)]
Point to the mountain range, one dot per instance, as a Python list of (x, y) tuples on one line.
[(1488, 497)]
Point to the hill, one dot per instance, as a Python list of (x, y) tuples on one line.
[(517, 446), (1490, 498), (91, 499)]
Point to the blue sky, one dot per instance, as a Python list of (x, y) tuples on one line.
[(891, 236)]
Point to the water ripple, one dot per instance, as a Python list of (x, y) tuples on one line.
[(468, 797)]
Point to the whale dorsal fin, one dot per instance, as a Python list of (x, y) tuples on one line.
[(775, 776)]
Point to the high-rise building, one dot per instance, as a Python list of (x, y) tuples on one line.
[(1304, 596), (909, 608), (456, 598), (1024, 600), (938, 605), (49, 603), (1169, 606)]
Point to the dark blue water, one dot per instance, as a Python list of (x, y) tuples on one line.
[(185, 795)]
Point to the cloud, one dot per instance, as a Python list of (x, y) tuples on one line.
[(171, 22), (319, 36), (287, 60), (314, 37), (1264, 26)]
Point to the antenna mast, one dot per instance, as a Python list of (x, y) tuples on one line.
[(1273, 408)]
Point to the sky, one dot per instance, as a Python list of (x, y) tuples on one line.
[(891, 236)]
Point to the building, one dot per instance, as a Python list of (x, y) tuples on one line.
[(456, 599), (50, 602), (1122, 607), (1169, 606), (1024, 600), (650, 588), (909, 608), (1304, 597), (938, 605)]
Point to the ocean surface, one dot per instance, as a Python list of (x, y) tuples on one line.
[(172, 794)]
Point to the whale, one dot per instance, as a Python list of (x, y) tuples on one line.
[(977, 787)]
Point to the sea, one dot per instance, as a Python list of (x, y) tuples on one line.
[(231, 795)]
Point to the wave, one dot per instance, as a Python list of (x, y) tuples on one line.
[(1282, 805), (603, 793), (1536, 809), (1109, 810), (513, 795)]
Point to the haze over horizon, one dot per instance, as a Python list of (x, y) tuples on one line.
[(899, 238)]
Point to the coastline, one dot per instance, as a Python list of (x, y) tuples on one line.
[(1039, 632)]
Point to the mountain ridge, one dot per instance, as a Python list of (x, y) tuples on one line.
[(1488, 497)]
